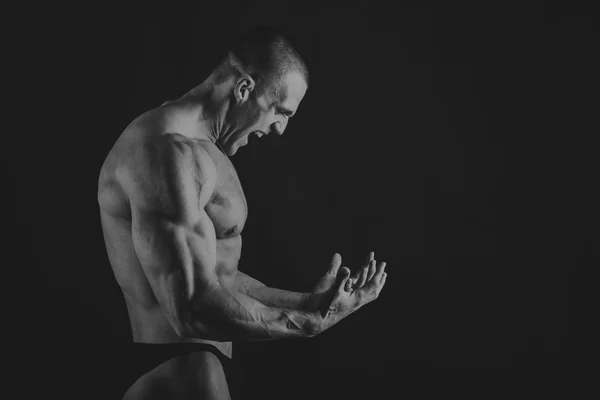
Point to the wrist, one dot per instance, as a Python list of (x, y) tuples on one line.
[(310, 302), (303, 323), (317, 303), (316, 324)]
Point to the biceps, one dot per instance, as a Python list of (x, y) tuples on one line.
[(176, 259)]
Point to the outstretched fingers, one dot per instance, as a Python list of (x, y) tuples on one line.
[(370, 257), (349, 285), (376, 281), (362, 278), (380, 285), (372, 270), (343, 278), (357, 281), (380, 271)]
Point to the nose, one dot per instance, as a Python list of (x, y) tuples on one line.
[(278, 127)]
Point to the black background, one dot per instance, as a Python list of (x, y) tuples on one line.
[(454, 141)]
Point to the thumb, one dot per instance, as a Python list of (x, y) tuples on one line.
[(334, 266)]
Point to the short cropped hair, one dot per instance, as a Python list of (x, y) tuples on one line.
[(264, 54)]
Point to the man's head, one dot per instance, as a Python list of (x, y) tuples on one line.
[(268, 79)]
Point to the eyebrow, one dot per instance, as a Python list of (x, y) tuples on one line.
[(285, 111)]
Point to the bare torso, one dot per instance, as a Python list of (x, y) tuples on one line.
[(227, 210)]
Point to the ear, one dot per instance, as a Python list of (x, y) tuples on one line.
[(243, 87)]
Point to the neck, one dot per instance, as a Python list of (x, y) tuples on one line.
[(213, 101)]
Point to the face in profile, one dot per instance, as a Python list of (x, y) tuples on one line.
[(266, 114)]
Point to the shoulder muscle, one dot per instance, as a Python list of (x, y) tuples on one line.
[(173, 175)]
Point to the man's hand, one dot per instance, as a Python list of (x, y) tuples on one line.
[(337, 295), (350, 283)]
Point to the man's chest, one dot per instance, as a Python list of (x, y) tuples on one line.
[(227, 208)]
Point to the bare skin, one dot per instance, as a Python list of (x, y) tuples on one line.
[(172, 212)]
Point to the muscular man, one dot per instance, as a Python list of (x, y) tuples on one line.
[(172, 212)]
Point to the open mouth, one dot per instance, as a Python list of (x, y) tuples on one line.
[(259, 133)]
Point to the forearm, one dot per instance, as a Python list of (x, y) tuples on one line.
[(271, 296), (222, 315)]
